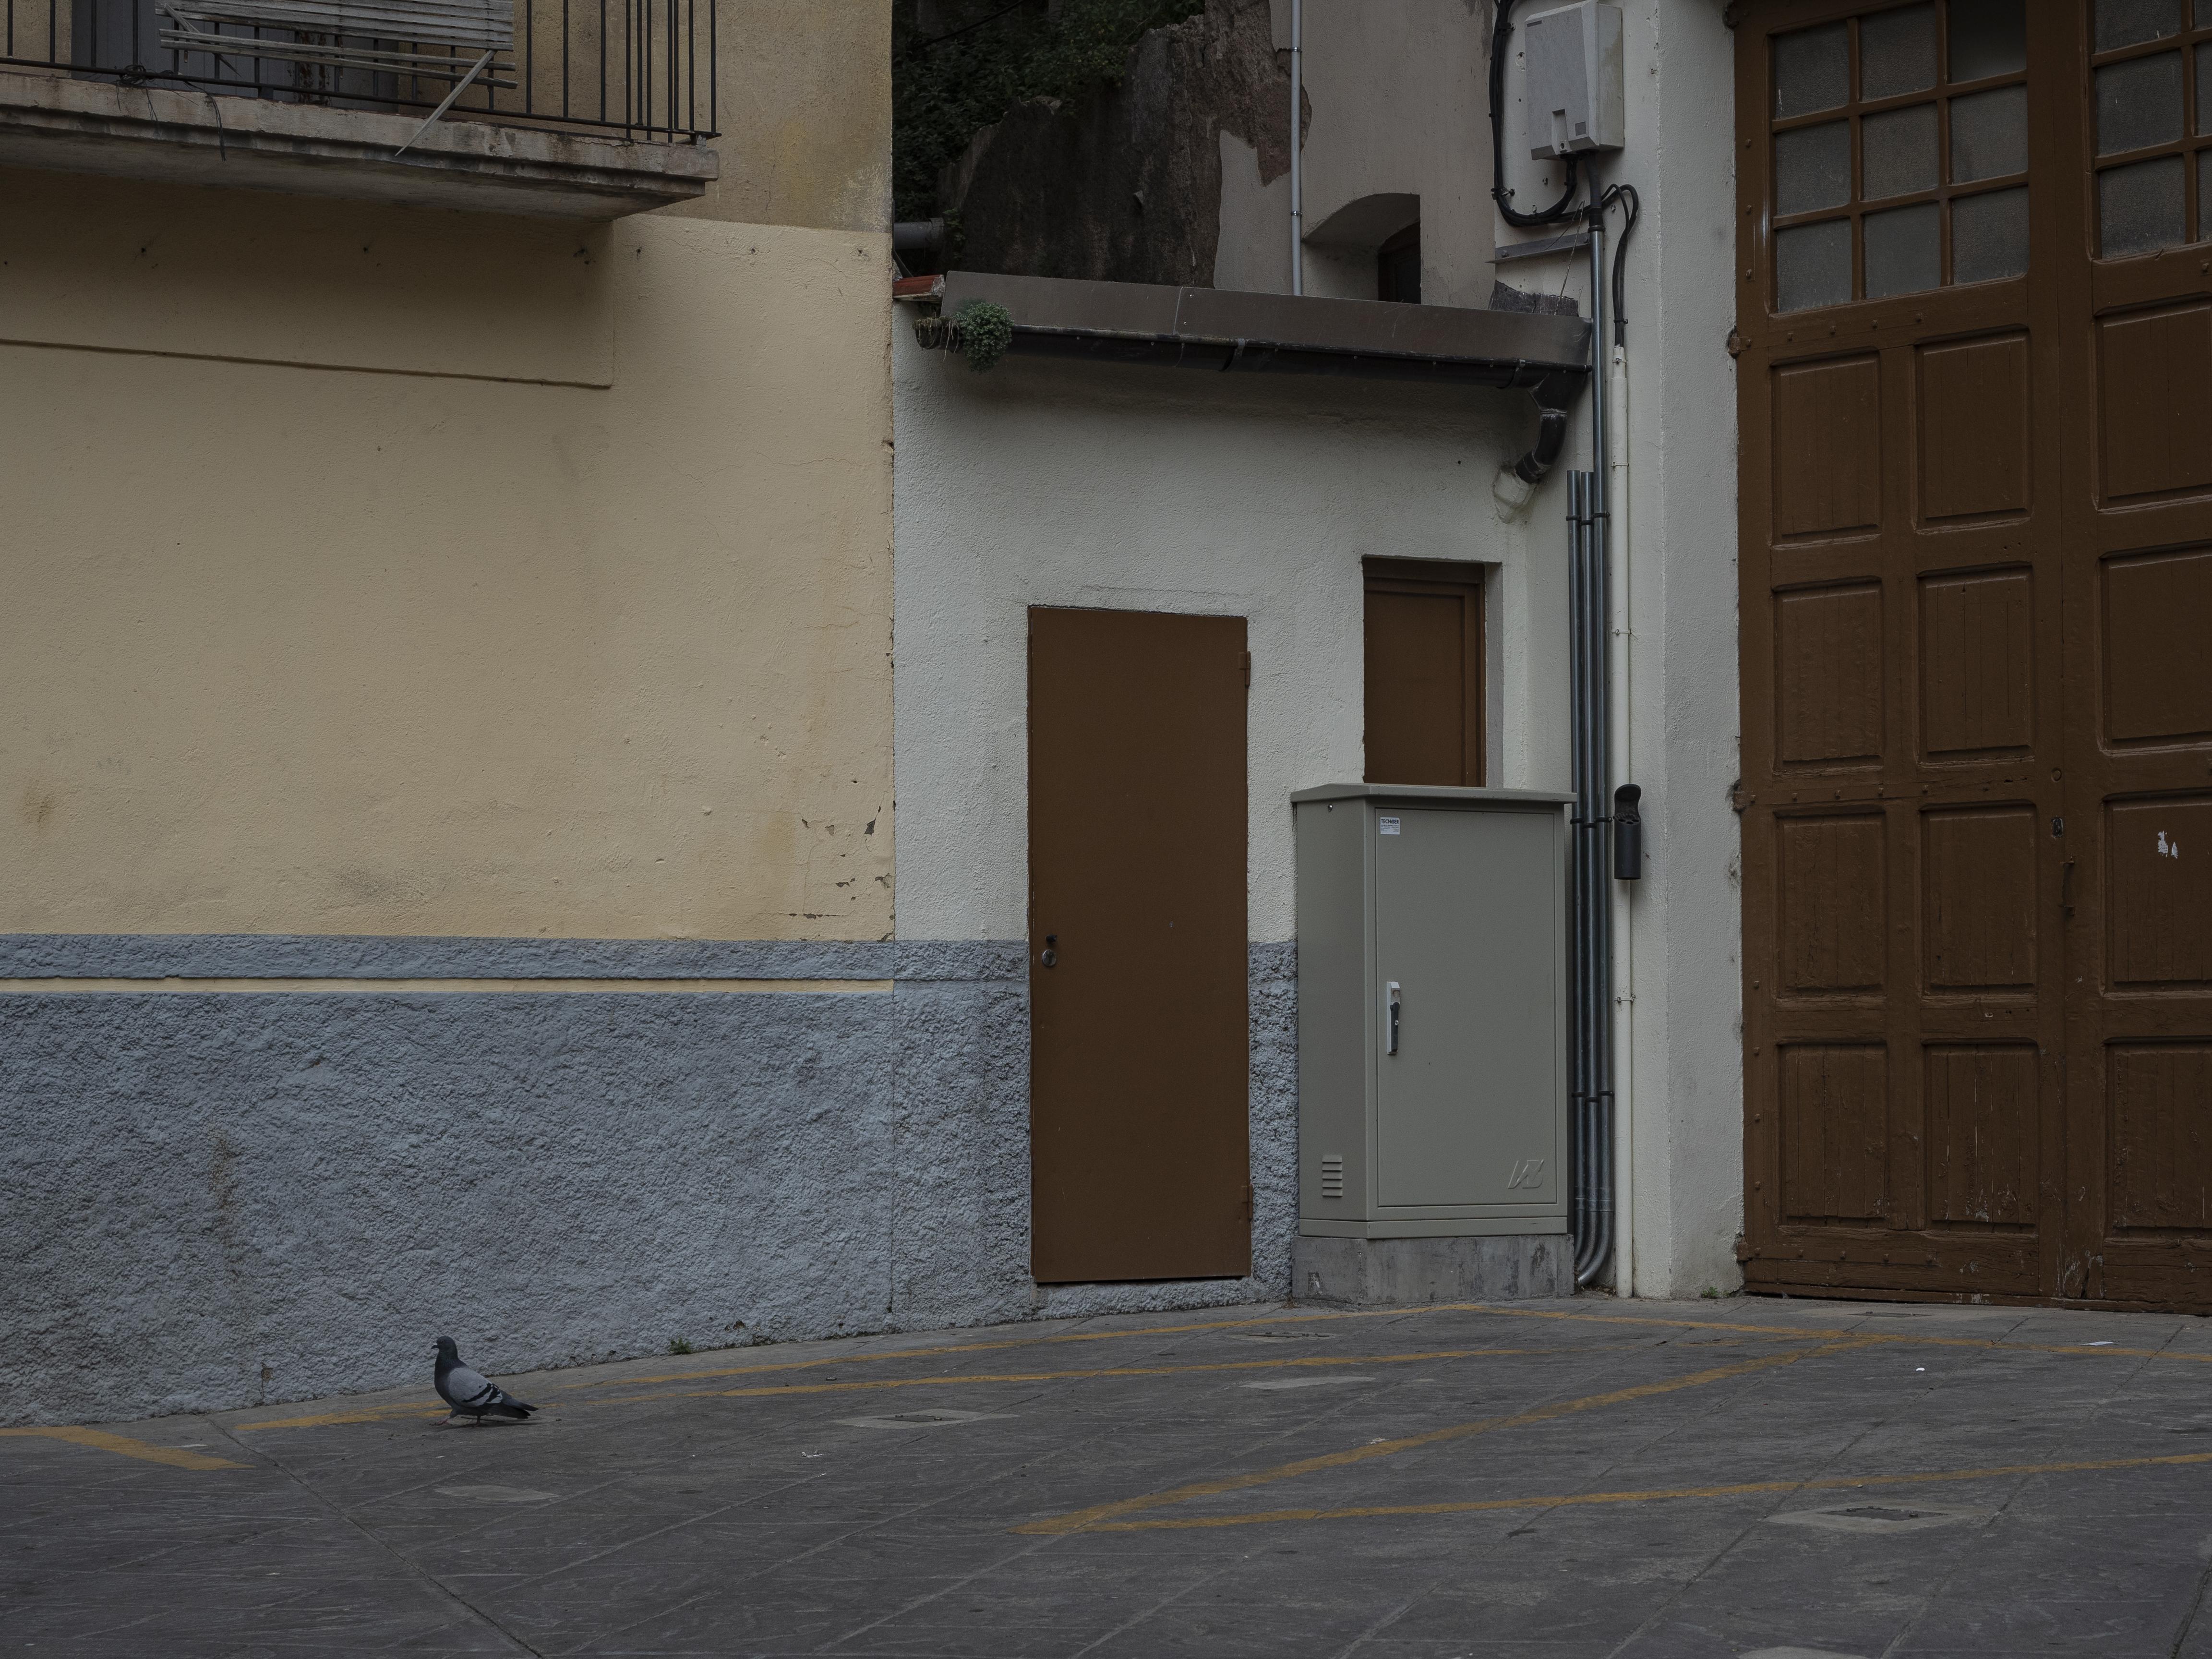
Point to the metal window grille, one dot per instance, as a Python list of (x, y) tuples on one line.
[(644, 68)]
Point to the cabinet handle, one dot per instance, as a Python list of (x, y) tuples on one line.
[(1390, 1011)]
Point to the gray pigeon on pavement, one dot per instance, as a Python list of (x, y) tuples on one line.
[(469, 1394)]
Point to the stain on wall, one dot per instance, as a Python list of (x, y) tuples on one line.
[(1124, 183)]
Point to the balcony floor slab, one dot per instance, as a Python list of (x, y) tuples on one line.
[(69, 124)]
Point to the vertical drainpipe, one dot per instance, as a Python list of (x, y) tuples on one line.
[(1298, 180), (1622, 644), (1593, 885)]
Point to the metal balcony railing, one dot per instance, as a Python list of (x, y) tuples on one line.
[(644, 68)]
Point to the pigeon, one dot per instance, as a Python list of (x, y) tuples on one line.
[(469, 1394)]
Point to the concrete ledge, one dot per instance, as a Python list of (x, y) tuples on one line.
[(60, 123), (1397, 1273), (1219, 329)]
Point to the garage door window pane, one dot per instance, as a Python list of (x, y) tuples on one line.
[(2139, 103), (2204, 84), (1812, 167), (1813, 265), (1897, 52), (1812, 70), (2129, 22), (1988, 37), (1904, 252), (1899, 153), (2139, 207), (1988, 135), (1988, 236)]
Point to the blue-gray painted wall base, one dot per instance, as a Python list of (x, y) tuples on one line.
[(213, 1199)]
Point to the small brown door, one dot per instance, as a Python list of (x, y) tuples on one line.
[(1425, 672), (1139, 1029)]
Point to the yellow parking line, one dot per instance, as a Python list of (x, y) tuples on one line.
[(357, 1414), (973, 1347), (389, 1414), (1837, 1483), (1809, 1333), (1084, 1519), (1773, 1333), (1776, 1333), (175, 1456), (878, 1383)]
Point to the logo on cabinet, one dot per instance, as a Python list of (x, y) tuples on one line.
[(1529, 1172)]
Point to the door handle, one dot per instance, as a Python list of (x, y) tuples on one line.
[(1390, 1013), (2066, 887)]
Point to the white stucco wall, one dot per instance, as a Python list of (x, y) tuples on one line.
[(1041, 483), (1394, 94), (1688, 1166), (1059, 485), (1681, 960)]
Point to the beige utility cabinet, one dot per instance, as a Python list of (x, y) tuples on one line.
[(1432, 1011)]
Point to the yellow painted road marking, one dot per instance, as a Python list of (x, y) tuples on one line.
[(1777, 1333), (971, 1347), (411, 1409), (1081, 1520), (357, 1414), (876, 1382), (463, 986), (1808, 1332), (1835, 1483), (175, 1456)]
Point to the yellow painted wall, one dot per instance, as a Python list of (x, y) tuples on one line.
[(805, 113), (383, 571)]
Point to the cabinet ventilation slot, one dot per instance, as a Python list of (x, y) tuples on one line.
[(1332, 1175)]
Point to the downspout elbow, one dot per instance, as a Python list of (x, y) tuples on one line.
[(1514, 487), (1551, 438)]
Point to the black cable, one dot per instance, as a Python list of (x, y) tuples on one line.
[(1633, 205), (965, 28), (1560, 210)]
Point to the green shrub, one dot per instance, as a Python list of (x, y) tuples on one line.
[(984, 329), (947, 89)]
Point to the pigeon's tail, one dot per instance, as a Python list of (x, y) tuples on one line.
[(513, 1409)]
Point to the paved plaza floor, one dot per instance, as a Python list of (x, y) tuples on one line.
[(1549, 1481)]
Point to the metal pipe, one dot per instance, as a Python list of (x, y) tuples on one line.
[(1298, 180), (1593, 765), (1621, 645), (1577, 1013)]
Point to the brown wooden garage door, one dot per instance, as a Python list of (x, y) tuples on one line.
[(1975, 383)]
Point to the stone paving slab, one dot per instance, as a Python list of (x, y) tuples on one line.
[(1549, 1481)]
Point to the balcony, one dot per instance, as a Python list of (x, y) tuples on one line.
[(586, 109)]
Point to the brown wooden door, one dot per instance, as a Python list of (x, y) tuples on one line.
[(1975, 383), (1425, 672), (1901, 568), (1139, 1028), (2137, 388)]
